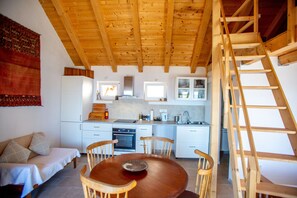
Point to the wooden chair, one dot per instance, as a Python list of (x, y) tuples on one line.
[(157, 145), (99, 151), (93, 188), (203, 179)]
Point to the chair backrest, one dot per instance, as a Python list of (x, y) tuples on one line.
[(204, 174), (93, 188), (99, 151), (157, 145)]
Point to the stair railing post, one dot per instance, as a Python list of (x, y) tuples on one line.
[(252, 178)]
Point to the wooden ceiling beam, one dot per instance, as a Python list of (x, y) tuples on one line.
[(98, 11), (71, 33), (276, 22), (201, 35), (288, 58), (137, 36), (168, 34)]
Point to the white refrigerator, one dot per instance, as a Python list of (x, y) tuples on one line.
[(76, 104)]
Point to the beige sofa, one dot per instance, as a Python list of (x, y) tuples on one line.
[(38, 169)]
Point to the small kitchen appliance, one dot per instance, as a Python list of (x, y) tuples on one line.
[(164, 116)]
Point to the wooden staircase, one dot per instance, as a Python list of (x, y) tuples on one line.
[(242, 49)]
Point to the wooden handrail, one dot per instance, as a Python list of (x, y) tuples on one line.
[(252, 177)]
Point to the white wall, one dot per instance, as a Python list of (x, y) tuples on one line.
[(18, 121), (283, 173)]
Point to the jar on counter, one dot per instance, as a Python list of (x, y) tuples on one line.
[(106, 114)]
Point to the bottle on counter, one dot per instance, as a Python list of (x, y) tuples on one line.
[(106, 114), (152, 115), (140, 116)]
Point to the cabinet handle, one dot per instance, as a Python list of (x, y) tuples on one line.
[(80, 117), (96, 134), (80, 127), (192, 146), (97, 127), (193, 130)]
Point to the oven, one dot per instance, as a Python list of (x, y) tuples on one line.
[(126, 135)]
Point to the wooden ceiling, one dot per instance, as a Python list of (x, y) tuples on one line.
[(140, 32)]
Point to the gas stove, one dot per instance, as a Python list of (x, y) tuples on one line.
[(125, 121)]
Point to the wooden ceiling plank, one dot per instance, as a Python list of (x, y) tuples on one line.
[(168, 34), (201, 35), (97, 9), (276, 22), (72, 35), (136, 30)]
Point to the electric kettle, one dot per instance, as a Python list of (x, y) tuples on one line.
[(164, 116)]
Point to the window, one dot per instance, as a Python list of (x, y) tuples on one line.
[(107, 89), (155, 91)]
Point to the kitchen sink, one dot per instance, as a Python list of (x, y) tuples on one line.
[(195, 123)]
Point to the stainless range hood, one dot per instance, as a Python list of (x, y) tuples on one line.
[(128, 86)]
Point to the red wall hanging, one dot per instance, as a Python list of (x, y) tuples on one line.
[(19, 65)]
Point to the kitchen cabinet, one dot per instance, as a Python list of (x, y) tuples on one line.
[(191, 88), (95, 132), (71, 135), (189, 138), (142, 130), (76, 104)]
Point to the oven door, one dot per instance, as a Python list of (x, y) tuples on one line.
[(126, 141)]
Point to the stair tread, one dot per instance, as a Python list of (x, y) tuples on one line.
[(246, 58), (262, 107), (273, 156), (257, 87), (243, 45), (251, 71), (274, 189), (237, 18), (270, 129)]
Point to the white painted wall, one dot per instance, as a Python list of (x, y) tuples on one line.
[(283, 173), (18, 121)]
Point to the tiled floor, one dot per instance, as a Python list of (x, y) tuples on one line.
[(66, 183)]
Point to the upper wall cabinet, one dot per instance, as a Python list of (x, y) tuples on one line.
[(191, 88)]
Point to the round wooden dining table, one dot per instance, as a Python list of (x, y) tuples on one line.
[(163, 177)]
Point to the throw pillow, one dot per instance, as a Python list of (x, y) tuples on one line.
[(15, 153), (39, 144)]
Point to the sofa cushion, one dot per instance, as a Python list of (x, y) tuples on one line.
[(14, 153), (39, 144)]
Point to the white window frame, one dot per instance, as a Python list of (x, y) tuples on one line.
[(107, 83), (158, 98)]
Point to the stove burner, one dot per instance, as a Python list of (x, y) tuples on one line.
[(125, 121)]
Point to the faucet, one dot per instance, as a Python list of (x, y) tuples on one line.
[(186, 113)]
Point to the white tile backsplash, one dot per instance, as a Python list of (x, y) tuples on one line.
[(131, 108)]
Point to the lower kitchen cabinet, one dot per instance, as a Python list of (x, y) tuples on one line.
[(189, 138), (142, 130), (95, 132), (71, 135)]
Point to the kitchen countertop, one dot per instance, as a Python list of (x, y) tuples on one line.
[(144, 122)]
